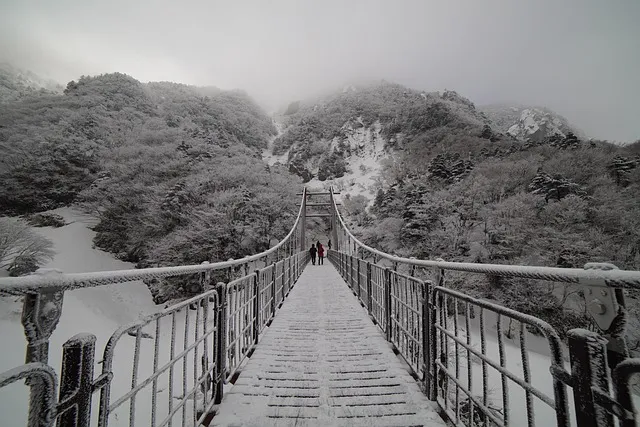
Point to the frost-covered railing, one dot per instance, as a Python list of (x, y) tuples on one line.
[(193, 354), (487, 365), (165, 369)]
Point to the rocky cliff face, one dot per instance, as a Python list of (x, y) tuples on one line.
[(342, 140), (535, 124), (348, 161), (528, 123)]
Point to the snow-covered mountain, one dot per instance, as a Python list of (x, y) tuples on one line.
[(343, 139), (362, 149), (16, 83), (527, 123)]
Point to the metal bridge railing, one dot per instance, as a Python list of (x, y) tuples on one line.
[(165, 369), (168, 368), (487, 365), (202, 352), (460, 347)]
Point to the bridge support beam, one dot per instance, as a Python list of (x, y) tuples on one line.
[(40, 315), (588, 356), (334, 221), (221, 342), (303, 221), (76, 385)]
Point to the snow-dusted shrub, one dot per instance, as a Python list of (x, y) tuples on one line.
[(46, 220), (21, 248)]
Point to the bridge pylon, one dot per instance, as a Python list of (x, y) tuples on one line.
[(303, 220), (332, 215)]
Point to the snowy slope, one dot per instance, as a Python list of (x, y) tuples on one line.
[(96, 310), (267, 154), (367, 149)]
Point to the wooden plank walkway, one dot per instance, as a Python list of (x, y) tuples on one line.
[(322, 362)]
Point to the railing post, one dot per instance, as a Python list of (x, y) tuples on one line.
[(76, 383), (607, 307), (387, 302), (221, 339), (347, 270), (48, 395), (40, 315), (369, 298), (246, 267), (358, 278), (344, 265), (440, 275), (351, 279), (290, 275), (256, 307), (589, 371), (205, 278), (429, 340), (273, 289), (347, 263), (622, 375), (284, 280)]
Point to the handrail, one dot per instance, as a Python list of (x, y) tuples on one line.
[(612, 278), (58, 282)]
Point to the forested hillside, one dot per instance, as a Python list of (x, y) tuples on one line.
[(562, 202), (450, 185), (16, 84), (316, 131), (173, 172)]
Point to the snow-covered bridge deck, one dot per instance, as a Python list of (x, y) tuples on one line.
[(322, 362)]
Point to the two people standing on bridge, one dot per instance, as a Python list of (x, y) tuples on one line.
[(317, 250)]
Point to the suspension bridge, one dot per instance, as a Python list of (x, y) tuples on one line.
[(367, 339)]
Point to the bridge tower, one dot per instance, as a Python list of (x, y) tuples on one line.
[(303, 220), (332, 215), (334, 220)]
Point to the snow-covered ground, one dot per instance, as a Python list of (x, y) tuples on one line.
[(267, 155), (363, 166), (96, 310)]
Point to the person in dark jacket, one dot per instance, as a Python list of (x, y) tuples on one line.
[(312, 252), (329, 244), (320, 254)]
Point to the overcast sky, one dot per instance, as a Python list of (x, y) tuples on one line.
[(578, 57)]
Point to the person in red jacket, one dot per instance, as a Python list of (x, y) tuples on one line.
[(320, 254)]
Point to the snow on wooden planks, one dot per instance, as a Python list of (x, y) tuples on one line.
[(322, 362)]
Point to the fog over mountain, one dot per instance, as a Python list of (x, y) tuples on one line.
[(579, 58)]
